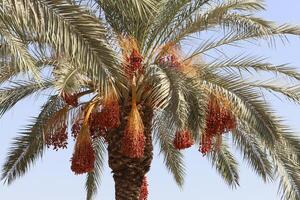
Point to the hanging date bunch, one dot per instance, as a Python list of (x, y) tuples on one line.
[(170, 60), (132, 57), (219, 121), (83, 158), (169, 56), (133, 141), (70, 99), (58, 139), (183, 139), (106, 116), (76, 127), (144, 190), (95, 132)]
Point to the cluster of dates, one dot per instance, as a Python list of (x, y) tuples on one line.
[(183, 139), (58, 139), (219, 121), (170, 60)]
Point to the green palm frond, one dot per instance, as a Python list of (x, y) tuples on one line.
[(225, 164), (250, 63), (163, 23), (82, 35), (7, 71), (197, 100), (215, 16), (29, 145), (68, 77), (160, 87), (21, 56), (184, 93), (284, 165), (93, 178), (163, 132), (14, 93), (184, 98), (291, 143), (233, 38), (288, 173), (176, 100), (291, 93), (253, 152), (121, 14)]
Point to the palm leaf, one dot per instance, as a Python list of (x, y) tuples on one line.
[(11, 95), (163, 131), (287, 170), (232, 38), (24, 61), (249, 63), (93, 178), (29, 145), (253, 152), (225, 164), (83, 36)]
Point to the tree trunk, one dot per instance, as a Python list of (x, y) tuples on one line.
[(128, 173)]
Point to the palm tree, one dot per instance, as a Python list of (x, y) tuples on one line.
[(119, 76)]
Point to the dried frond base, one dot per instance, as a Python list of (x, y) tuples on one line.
[(183, 140)]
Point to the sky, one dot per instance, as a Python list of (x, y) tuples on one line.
[(51, 178)]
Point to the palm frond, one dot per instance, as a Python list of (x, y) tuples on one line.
[(218, 15), (163, 23), (29, 145), (225, 164), (291, 93), (232, 38), (74, 33), (14, 93), (249, 63), (197, 100), (253, 152), (160, 87), (68, 77), (288, 172), (18, 49), (93, 178), (163, 132), (7, 71), (177, 90), (130, 17)]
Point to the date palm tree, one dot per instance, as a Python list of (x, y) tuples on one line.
[(125, 75)]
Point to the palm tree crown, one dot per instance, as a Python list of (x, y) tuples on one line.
[(118, 73)]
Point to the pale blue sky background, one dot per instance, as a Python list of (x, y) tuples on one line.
[(51, 177)]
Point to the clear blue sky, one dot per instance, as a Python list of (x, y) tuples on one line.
[(51, 177)]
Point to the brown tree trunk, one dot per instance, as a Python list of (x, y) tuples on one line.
[(128, 173)]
